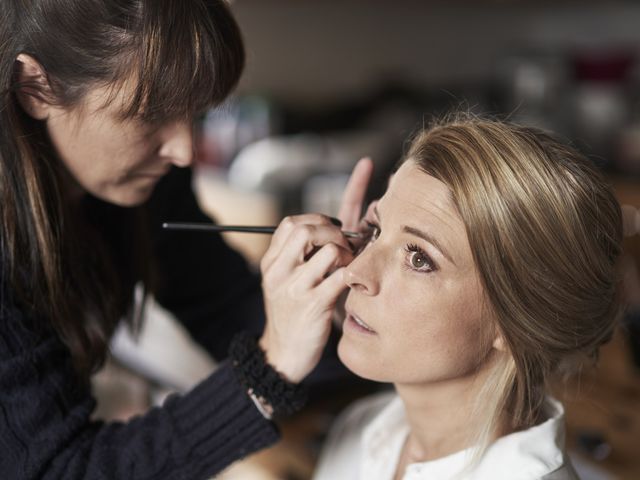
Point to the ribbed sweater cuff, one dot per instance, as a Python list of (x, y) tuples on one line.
[(217, 423)]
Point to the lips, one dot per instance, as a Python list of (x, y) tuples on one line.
[(359, 323)]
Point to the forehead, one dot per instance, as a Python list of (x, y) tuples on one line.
[(420, 192), (100, 101), (418, 200), (120, 100)]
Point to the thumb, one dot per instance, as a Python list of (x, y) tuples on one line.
[(331, 287)]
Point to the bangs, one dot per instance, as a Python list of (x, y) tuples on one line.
[(186, 58)]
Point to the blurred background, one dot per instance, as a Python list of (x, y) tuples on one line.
[(328, 82)]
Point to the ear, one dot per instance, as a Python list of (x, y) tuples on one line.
[(33, 95), (499, 343)]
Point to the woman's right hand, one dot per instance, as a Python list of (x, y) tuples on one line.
[(301, 279)]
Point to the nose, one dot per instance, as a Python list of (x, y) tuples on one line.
[(177, 143), (362, 274)]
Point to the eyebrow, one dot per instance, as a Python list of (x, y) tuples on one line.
[(423, 235)]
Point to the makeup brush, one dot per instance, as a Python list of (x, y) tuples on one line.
[(210, 227)]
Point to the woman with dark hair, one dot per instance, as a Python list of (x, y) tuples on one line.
[(97, 103)]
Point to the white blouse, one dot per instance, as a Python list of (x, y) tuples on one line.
[(366, 441)]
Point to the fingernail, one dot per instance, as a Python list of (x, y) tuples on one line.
[(335, 221)]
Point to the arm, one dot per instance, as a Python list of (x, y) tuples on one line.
[(207, 285), (46, 430)]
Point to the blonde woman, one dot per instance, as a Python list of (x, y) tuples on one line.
[(491, 269)]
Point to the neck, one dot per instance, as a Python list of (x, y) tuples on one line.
[(440, 416), (72, 191)]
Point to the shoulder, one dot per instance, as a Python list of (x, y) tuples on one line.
[(537, 452), (565, 471), (340, 457)]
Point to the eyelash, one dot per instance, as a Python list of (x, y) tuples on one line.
[(374, 232), (412, 248)]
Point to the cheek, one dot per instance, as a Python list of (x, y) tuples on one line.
[(444, 341), (80, 144), (431, 313), (456, 334), (94, 139), (440, 336)]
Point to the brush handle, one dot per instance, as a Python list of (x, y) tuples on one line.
[(210, 227)]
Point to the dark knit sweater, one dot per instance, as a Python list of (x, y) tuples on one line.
[(46, 429)]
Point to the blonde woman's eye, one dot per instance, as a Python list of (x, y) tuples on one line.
[(418, 260), (374, 232)]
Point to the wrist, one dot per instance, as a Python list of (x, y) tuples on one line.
[(272, 394), (261, 403), (286, 365)]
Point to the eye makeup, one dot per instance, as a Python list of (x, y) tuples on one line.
[(369, 235), (418, 260), (373, 232)]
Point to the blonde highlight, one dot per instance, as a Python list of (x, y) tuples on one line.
[(545, 231)]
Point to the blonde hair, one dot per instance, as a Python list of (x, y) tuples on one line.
[(545, 232)]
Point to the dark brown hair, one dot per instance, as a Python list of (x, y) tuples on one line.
[(182, 57)]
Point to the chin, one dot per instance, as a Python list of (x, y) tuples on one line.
[(126, 198), (361, 363)]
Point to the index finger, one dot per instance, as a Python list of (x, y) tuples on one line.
[(301, 242), (282, 236)]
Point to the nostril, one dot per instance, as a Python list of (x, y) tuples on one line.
[(183, 160), (180, 154)]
